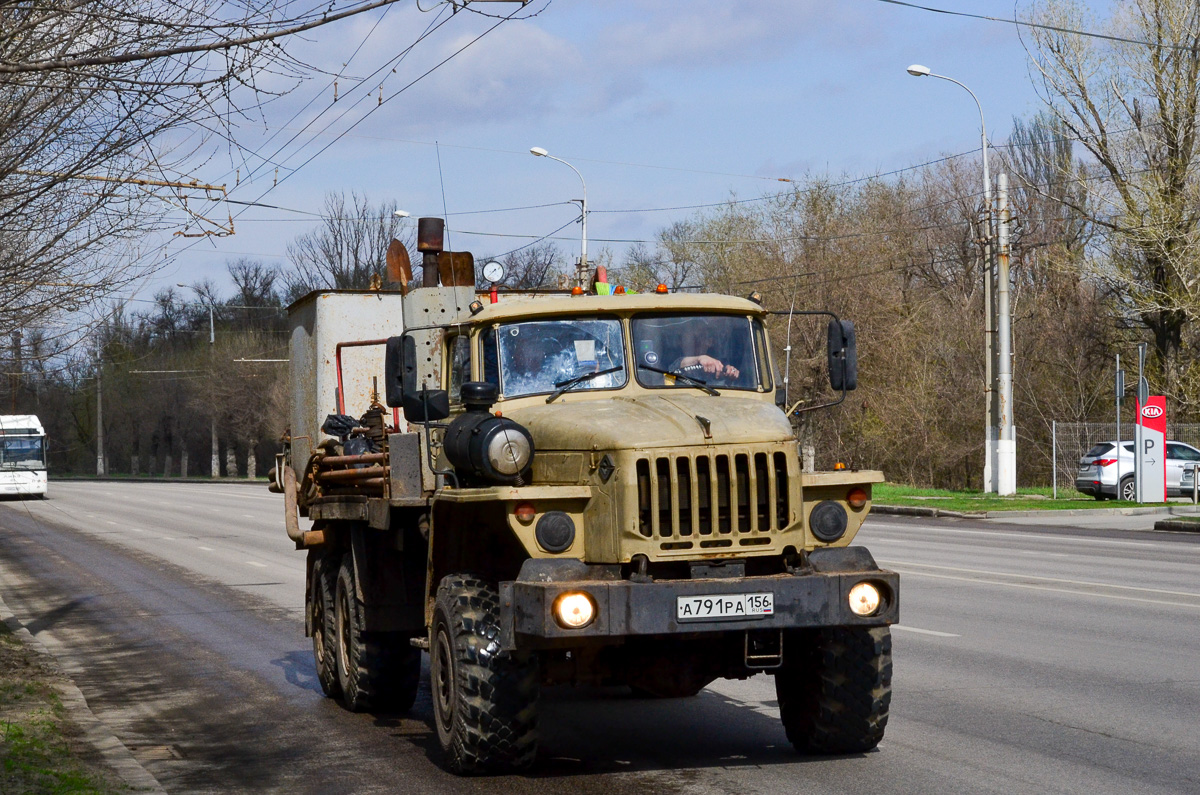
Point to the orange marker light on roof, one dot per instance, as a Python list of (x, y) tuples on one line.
[(839, 466), (577, 290), (662, 288), (620, 290)]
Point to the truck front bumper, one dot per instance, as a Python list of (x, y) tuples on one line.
[(815, 597)]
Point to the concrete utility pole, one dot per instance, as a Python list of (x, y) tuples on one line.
[(212, 358), (1006, 447), (17, 368), (100, 465), (992, 360)]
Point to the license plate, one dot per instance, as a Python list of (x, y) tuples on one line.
[(717, 607)]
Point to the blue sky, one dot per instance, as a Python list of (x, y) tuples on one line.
[(659, 104)]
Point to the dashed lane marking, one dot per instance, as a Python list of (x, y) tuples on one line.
[(920, 631), (256, 564)]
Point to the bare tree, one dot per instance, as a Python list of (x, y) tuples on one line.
[(347, 249), (1135, 108), (103, 109), (541, 265)]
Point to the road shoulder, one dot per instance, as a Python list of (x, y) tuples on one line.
[(110, 750)]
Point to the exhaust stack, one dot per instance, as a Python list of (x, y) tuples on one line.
[(430, 241)]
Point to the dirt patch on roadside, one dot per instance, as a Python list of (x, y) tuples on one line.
[(41, 751)]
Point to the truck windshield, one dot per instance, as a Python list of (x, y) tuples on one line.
[(540, 356), (728, 351), (28, 452)]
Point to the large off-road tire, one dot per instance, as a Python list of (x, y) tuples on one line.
[(321, 597), (376, 671), (485, 700), (835, 688)]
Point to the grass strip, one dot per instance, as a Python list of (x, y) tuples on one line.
[(41, 751), (1029, 499)]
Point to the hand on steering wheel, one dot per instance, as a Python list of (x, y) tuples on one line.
[(713, 367)]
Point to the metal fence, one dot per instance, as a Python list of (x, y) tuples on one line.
[(1072, 439)]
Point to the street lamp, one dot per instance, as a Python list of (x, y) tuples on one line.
[(212, 339), (917, 70), (538, 151), (999, 469)]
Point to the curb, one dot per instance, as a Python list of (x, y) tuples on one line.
[(1177, 526), (914, 510), (95, 733)]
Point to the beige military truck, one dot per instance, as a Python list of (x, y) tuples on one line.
[(571, 488)]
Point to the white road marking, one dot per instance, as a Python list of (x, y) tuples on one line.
[(919, 631), (249, 516), (206, 549), (256, 563), (136, 530), (1014, 575), (1026, 586), (110, 521)]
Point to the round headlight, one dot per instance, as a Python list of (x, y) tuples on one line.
[(555, 532), (828, 521), (864, 599), (509, 451), (574, 610)]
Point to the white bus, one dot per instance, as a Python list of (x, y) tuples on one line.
[(22, 455)]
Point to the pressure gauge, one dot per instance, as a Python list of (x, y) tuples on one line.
[(493, 271)]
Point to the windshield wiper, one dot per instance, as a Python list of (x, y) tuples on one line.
[(563, 386), (696, 382)]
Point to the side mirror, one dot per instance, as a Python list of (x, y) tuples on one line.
[(400, 381), (843, 356)]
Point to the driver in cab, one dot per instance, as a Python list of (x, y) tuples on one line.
[(699, 344)]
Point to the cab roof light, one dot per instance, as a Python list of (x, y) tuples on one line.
[(662, 288)]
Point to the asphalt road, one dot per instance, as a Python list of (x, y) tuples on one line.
[(1029, 659)]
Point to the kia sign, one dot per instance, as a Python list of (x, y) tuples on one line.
[(1152, 452)]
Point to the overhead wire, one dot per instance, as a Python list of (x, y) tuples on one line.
[(1042, 26)]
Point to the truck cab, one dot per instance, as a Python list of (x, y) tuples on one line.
[(573, 488)]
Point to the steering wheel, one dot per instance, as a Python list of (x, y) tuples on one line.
[(697, 371)]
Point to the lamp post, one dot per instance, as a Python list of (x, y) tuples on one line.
[(212, 339), (999, 468), (538, 151)]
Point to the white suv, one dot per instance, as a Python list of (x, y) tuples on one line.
[(1103, 474)]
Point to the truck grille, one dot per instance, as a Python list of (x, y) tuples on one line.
[(713, 498)]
